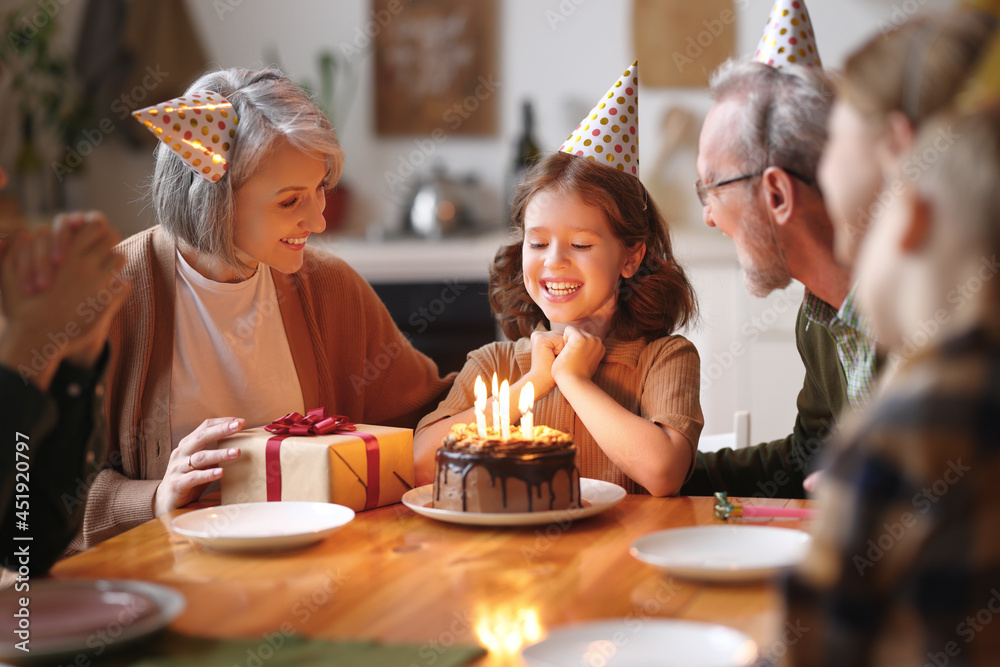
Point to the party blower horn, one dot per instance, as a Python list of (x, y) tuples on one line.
[(725, 508)]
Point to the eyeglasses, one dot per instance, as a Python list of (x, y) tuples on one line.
[(704, 188)]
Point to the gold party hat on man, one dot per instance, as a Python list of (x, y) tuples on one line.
[(608, 134), (788, 37), (199, 127)]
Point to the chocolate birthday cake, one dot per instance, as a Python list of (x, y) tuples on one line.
[(520, 474)]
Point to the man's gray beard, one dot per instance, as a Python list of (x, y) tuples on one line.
[(761, 282), (763, 265)]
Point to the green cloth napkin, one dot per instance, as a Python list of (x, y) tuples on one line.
[(172, 649)]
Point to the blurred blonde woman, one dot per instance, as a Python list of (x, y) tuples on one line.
[(888, 88)]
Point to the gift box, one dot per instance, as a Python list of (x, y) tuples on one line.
[(321, 459)]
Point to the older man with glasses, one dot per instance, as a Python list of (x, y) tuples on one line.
[(757, 157)]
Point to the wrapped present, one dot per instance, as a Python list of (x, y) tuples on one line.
[(322, 459)]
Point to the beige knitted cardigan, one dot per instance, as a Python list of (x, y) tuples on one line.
[(349, 356)]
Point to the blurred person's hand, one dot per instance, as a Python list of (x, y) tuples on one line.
[(60, 290), (36, 267), (813, 482)]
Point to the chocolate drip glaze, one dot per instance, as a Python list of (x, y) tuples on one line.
[(535, 463)]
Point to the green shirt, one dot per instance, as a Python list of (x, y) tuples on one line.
[(855, 343), (776, 469)]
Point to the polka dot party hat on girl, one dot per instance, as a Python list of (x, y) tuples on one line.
[(199, 128), (788, 37), (608, 133)]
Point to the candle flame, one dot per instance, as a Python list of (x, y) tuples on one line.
[(527, 398), (496, 405), (480, 406), (505, 410), (480, 394), (526, 403)]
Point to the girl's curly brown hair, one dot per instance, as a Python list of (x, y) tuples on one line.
[(654, 302)]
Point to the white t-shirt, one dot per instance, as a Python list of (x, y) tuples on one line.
[(231, 354)]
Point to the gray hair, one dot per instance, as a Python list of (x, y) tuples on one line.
[(785, 113), (200, 213)]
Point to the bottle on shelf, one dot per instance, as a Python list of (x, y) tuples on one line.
[(527, 153)]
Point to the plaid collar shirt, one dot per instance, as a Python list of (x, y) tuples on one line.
[(855, 343), (905, 562)]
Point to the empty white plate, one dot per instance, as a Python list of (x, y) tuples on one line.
[(262, 526), (724, 552), (642, 643)]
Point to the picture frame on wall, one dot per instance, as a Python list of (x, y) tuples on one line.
[(436, 67)]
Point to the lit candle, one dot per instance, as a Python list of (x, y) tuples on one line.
[(505, 410), (525, 404), (481, 407), (496, 405)]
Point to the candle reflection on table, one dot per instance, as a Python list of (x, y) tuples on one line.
[(505, 631)]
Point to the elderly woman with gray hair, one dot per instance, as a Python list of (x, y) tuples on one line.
[(233, 320)]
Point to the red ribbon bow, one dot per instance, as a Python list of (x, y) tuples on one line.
[(316, 422)]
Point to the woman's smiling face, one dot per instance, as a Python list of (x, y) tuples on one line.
[(279, 207)]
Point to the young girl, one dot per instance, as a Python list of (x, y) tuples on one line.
[(590, 293)]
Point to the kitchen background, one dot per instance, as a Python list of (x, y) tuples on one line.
[(427, 93)]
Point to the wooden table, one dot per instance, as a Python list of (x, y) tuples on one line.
[(393, 575)]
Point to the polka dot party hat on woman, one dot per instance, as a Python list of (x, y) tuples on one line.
[(198, 127), (788, 37), (608, 134)]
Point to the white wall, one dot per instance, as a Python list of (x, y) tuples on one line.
[(561, 54)]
